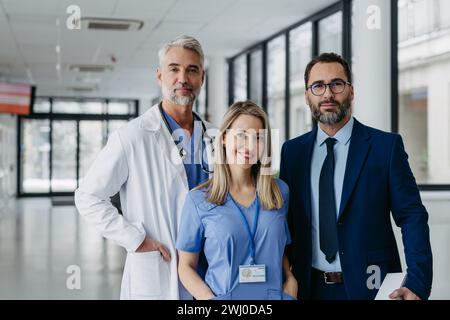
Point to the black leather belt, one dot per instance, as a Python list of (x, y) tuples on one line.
[(329, 277)]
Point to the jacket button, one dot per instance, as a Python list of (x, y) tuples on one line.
[(342, 252)]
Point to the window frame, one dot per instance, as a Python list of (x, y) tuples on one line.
[(395, 94), (342, 5), (51, 116)]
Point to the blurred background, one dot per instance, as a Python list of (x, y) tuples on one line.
[(72, 72)]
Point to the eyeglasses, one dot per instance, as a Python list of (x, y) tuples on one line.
[(336, 86)]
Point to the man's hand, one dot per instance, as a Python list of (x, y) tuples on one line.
[(153, 245), (291, 286), (403, 293)]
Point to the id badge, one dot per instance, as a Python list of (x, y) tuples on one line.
[(252, 273)]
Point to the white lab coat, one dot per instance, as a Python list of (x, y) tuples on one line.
[(142, 161)]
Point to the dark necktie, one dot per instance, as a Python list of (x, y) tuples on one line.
[(327, 205)]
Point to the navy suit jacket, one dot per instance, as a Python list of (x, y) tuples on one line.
[(378, 180)]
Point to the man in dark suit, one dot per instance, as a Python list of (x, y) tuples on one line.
[(345, 178)]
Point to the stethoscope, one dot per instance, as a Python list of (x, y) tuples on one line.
[(182, 152)]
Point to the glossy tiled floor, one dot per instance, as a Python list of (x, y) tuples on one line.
[(38, 243)]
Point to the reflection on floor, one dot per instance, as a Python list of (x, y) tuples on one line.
[(40, 244)]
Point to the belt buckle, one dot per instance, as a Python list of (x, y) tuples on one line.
[(326, 280)]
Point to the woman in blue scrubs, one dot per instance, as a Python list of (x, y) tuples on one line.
[(238, 218)]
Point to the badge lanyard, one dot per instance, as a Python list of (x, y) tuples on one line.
[(251, 233)]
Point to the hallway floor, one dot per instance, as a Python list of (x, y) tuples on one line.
[(42, 248)]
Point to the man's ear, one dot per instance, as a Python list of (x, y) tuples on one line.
[(158, 75), (203, 77), (306, 98)]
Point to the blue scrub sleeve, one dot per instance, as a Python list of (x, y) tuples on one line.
[(190, 233)]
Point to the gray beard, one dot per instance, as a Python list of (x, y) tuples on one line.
[(182, 101), (330, 118)]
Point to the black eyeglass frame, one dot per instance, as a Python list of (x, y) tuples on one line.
[(329, 86)]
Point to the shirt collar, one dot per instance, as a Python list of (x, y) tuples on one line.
[(171, 122), (342, 136)]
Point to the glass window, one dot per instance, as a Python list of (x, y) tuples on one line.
[(120, 107), (41, 105), (444, 11), (64, 156), (420, 17), (330, 33), (240, 78), (276, 86), (200, 103), (300, 53), (70, 106), (113, 125), (256, 77), (424, 97), (37, 145), (403, 20), (91, 142), (413, 121), (420, 12), (35, 156)]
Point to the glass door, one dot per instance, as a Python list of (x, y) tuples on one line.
[(35, 158), (91, 142), (64, 156)]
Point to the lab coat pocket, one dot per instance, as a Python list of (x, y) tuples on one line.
[(145, 282)]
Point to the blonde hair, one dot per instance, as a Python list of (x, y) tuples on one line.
[(267, 189)]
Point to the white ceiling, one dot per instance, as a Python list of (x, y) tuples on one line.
[(29, 35)]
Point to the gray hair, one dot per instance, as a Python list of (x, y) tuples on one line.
[(185, 42)]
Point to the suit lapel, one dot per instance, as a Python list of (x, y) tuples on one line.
[(306, 173), (357, 154)]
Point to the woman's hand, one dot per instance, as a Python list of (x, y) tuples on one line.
[(187, 270), (290, 286)]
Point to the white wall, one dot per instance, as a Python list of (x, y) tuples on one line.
[(8, 158), (371, 50), (217, 88)]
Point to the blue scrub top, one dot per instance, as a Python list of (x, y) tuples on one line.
[(219, 230), (193, 161)]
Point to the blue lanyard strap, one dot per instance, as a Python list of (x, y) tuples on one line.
[(251, 233)]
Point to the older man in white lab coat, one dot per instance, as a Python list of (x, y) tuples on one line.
[(153, 172)]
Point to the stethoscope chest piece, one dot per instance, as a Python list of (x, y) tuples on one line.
[(183, 153)]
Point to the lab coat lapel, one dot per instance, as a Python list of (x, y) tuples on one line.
[(153, 122)]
